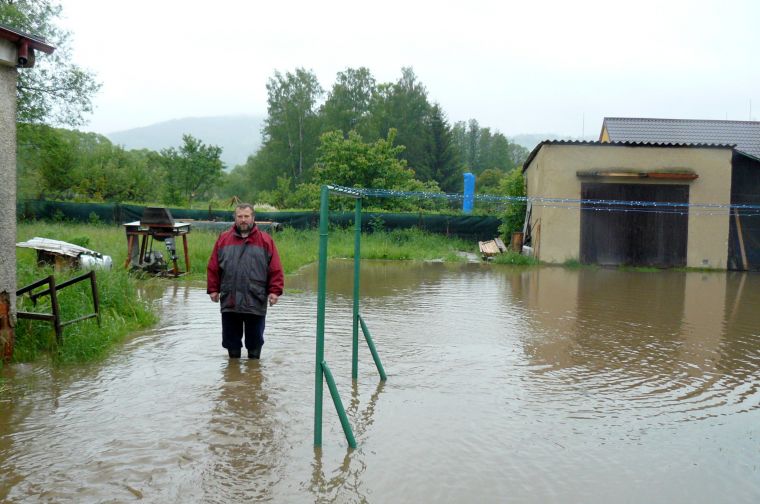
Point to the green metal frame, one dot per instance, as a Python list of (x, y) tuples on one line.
[(322, 371)]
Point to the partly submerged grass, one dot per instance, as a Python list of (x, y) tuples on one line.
[(513, 258), (298, 248), (123, 310)]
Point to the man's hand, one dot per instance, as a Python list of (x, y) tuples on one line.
[(214, 296), (273, 299)]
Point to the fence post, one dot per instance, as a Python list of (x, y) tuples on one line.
[(321, 294), (56, 310), (357, 267)]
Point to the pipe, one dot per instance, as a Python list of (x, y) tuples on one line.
[(23, 52), (7, 335)]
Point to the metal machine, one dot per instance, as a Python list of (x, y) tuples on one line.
[(156, 225)]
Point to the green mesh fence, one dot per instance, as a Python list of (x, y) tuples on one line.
[(463, 226)]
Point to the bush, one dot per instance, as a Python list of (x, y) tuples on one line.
[(513, 217)]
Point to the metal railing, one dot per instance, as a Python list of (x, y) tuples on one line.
[(322, 371), (52, 291)]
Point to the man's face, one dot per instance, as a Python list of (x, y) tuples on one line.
[(244, 219)]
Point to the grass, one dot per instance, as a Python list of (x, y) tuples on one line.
[(298, 248), (515, 259), (125, 307), (640, 269), (122, 311)]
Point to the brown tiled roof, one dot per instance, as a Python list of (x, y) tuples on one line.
[(745, 135)]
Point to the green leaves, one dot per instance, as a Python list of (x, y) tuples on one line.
[(61, 163), (292, 128), (352, 162), (55, 91), (192, 170)]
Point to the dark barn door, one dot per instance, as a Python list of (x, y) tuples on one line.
[(640, 236), (744, 224)]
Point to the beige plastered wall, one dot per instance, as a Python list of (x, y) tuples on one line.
[(8, 183), (555, 227)]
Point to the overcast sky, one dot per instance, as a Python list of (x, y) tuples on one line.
[(520, 67)]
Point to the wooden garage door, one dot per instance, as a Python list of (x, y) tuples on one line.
[(640, 236)]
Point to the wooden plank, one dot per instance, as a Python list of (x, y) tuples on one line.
[(741, 240), (488, 248), (500, 245)]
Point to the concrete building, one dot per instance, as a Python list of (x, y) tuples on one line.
[(744, 221), (594, 202), (16, 51)]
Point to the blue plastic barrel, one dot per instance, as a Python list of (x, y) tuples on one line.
[(469, 192)]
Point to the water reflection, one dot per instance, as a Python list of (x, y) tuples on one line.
[(538, 385), (347, 477), (379, 279), (665, 338), (244, 444)]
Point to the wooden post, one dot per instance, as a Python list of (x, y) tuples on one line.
[(95, 296), (7, 336), (187, 257), (56, 310), (130, 244), (517, 242), (741, 239)]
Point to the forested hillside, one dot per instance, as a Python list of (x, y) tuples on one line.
[(359, 133)]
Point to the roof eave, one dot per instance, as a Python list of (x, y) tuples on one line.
[(538, 147)]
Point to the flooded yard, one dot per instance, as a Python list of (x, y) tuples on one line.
[(504, 385)]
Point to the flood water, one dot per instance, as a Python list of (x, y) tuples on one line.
[(539, 385)]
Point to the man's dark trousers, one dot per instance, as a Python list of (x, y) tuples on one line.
[(233, 326)]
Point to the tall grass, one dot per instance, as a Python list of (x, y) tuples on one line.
[(123, 310), (515, 259), (300, 247)]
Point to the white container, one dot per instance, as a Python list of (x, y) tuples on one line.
[(88, 261)]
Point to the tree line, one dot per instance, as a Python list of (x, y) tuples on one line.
[(359, 133), (306, 127)]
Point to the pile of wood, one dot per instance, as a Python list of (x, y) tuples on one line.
[(491, 248)]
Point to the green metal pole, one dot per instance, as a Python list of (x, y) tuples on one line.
[(339, 406), (321, 290), (372, 349), (357, 264)]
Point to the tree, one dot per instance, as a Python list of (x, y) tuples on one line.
[(443, 163), (46, 157), (489, 180), (499, 154), (518, 154), (70, 164), (192, 170), (353, 163), (481, 149), (55, 90), (348, 105), (472, 139), (512, 218), (291, 128), (404, 106)]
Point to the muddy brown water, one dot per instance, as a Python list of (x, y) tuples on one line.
[(540, 385)]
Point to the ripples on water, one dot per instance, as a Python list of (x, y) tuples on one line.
[(540, 385)]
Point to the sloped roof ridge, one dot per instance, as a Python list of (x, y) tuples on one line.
[(663, 119), (641, 143)]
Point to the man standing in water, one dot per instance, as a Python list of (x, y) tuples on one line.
[(244, 274)]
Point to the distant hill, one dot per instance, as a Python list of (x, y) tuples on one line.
[(238, 136)]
